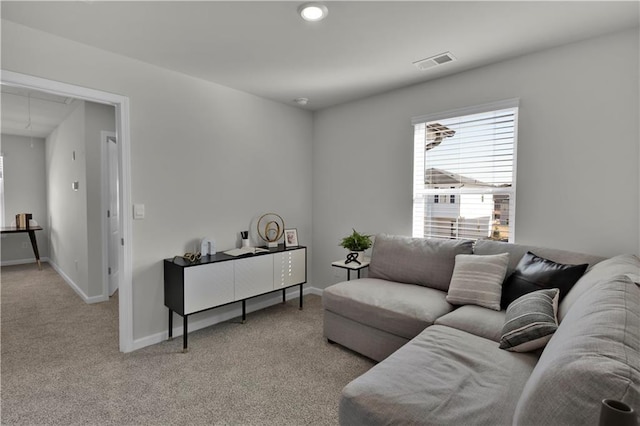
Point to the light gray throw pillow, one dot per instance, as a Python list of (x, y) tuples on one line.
[(477, 280), (530, 321)]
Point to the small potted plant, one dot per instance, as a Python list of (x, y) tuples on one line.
[(357, 243)]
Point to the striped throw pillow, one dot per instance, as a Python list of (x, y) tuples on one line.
[(477, 280), (530, 321)]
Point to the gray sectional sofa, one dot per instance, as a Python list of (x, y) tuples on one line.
[(441, 363)]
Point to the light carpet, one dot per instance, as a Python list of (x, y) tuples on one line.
[(61, 365)]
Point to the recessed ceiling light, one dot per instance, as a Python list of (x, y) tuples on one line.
[(313, 12), (301, 101)]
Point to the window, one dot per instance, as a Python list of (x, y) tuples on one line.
[(472, 153)]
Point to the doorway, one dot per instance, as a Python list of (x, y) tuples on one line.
[(122, 149)]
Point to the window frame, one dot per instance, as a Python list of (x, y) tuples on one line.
[(418, 222)]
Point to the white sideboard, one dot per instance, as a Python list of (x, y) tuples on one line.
[(220, 279)]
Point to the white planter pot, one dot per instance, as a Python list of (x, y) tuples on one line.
[(359, 254)]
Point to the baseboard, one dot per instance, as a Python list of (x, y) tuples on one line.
[(22, 261), (313, 290), (74, 286), (236, 312)]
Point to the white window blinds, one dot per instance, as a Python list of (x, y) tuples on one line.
[(464, 173)]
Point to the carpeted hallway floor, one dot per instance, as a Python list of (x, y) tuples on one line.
[(60, 364)]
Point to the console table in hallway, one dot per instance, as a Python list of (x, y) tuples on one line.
[(32, 236)]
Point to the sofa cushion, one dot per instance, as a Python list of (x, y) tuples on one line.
[(605, 270), (594, 354), (516, 251), (530, 321), (397, 308), (477, 280), (476, 320), (443, 376), (368, 341), (536, 273), (421, 261)]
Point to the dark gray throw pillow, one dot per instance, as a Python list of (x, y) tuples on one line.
[(537, 273), (530, 321)]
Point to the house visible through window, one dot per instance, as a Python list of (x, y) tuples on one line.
[(464, 173)]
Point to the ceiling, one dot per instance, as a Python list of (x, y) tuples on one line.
[(31, 113), (360, 49)]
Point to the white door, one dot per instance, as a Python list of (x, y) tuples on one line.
[(113, 218)]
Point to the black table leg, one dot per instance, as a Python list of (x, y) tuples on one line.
[(34, 246), (301, 296), (185, 321), (244, 311), (348, 274), (358, 273), (170, 324)]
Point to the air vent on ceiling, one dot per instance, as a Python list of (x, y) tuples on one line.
[(442, 58)]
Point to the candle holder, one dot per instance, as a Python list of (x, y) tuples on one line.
[(617, 413)]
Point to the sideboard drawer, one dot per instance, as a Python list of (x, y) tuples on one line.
[(289, 268), (208, 285), (253, 276)]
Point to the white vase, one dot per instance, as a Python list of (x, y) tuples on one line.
[(359, 256)]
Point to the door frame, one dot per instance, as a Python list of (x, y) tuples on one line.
[(121, 104), (104, 175)]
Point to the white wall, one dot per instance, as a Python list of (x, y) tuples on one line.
[(67, 215), (205, 159), (25, 192), (578, 151)]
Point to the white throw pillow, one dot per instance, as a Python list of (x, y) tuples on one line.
[(477, 280)]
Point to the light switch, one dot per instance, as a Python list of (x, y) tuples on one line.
[(138, 211)]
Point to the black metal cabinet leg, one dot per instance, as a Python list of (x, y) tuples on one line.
[(284, 295), (170, 324), (301, 298), (244, 311), (185, 321)]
